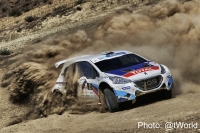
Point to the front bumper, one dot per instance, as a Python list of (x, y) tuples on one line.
[(127, 92)]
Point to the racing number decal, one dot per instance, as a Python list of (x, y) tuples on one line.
[(89, 86), (88, 89)]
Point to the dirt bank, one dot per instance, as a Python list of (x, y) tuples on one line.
[(152, 32)]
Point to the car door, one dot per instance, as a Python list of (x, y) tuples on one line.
[(88, 83)]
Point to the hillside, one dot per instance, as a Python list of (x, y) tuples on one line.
[(164, 31)]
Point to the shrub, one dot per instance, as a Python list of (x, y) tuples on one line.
[(49, 2), (4, 9), (26, 9), (45, 1), (15, 12), (79, 2), (59, 8), (29, 19), (92, 7), (79, 8), (5, 51)]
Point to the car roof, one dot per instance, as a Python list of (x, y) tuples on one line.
[(103, 54), (94, 58)]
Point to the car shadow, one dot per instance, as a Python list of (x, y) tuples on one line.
[(142, 101)]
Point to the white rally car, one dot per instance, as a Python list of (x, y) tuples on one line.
[(115, 77)]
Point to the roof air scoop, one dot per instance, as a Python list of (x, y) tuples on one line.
[(107, 53)]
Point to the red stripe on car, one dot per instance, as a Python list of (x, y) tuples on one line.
[(135, 72)]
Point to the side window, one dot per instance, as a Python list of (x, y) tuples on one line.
[(65, 71), (69, 69), (94, 73), (87, 70)]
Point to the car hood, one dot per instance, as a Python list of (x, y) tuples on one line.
[(137, 72)]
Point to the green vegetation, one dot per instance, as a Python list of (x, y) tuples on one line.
[(4, 9), (60, 8), (49, 2), (5, 51), (30, 19), (15, 12), (79, 2)]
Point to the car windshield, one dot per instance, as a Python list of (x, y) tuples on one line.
[(119, 62)]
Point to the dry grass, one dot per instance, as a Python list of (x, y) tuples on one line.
[(10, 37), (38, 12)]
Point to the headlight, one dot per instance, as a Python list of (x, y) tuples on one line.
[(119, 80), (162, 69)]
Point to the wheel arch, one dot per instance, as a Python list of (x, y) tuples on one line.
[(103, 88), (104, 85)]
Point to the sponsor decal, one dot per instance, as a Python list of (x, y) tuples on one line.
[(126, 88), (89, 86), (141, 70)]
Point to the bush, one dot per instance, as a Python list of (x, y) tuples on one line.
[(5, 51), (49, 2), (79, 2), (79, 8), (4, 9), (15, 12), (29, 19), (26, 9), (45, 1), (60, 8)]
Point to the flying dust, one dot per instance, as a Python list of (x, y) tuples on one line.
[(168, 33)]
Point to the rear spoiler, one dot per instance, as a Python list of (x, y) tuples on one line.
[(69, 60), (59, 63)]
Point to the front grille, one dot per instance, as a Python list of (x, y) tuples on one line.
[(149, 84)]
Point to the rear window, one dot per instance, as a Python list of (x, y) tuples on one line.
[(119, 62)]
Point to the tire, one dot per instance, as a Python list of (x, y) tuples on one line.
[(168, 94), (111, 100)]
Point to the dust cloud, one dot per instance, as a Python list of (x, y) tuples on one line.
[(31, 78), (167, 33)]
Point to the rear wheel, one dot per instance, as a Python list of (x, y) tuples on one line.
[(111, 100)]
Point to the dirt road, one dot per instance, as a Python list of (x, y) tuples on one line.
[(183, 108)]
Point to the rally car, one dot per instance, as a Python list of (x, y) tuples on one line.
[(114, 77)]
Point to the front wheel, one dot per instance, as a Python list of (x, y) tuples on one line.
[(168, 94), (111, 100)]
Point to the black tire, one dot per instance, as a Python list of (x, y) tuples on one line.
[(111, 100), (168, 94)]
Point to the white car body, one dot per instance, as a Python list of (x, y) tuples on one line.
[(126, 83)]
